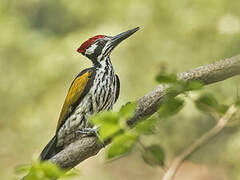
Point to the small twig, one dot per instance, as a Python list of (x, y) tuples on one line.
[(199, 142)]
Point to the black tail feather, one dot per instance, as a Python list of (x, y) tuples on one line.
[(50, 149)]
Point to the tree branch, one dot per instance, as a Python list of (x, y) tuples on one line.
[(89, 146), (199, 142)]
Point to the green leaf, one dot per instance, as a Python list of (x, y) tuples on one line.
[(154, 155), (127, 110), (222, 108), (22, 169), (193, 85), (176, 88), (51, 170), (206, 102), (108, 123), (121, 145), (171, 107), (44, 171), (166, 78), (146, 126)]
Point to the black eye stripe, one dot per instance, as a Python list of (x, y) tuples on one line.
[(100, 43)]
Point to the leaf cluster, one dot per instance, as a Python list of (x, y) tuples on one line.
[(44, 171), (114, 125)]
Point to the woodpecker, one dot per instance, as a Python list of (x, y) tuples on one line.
[(95, 89)]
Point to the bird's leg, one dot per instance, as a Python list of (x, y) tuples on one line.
[(89, 131)]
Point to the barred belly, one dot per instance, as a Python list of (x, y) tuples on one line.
[(100, 97)]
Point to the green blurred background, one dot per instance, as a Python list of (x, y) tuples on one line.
[(38, 61)]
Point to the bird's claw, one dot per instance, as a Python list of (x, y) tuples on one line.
[(89, 131)]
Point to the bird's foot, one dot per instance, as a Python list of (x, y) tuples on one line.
[(89, 131)]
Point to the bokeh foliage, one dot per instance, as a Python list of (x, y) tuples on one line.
[(38, 61)]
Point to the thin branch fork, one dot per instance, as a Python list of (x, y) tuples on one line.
[(86, 147), (170, 173)]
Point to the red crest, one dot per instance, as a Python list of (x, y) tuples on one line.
[(87, 43)]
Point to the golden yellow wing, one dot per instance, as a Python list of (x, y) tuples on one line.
[(79, 88)]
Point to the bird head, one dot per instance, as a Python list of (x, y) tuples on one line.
[(100, 46)]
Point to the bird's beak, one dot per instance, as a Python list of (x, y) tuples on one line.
[(115, 40)]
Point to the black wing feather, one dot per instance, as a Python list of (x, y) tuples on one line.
[(118, 88)]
